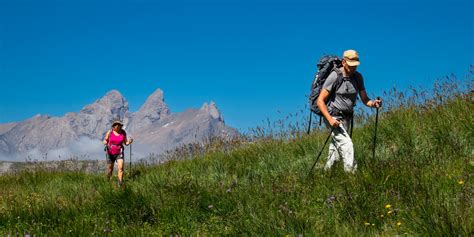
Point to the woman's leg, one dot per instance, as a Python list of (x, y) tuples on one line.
[(110, 166), (120, 165), (110, 169)]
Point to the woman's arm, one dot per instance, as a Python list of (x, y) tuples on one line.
[(127, 141), (106, 138)]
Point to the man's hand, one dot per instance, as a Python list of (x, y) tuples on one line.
[(130, 141), (334, 123), (377, 103)]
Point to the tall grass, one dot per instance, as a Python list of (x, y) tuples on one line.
[(420, 183)]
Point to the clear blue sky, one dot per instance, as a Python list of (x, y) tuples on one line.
[(251, 57)]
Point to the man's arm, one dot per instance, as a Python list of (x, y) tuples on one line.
[(321, 102), (367, 101)]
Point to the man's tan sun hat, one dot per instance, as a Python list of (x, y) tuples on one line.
[(351, 57), (117, 122)]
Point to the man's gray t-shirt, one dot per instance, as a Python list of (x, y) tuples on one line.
[(346, 95)]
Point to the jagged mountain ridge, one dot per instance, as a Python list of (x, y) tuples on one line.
[(154, 128)]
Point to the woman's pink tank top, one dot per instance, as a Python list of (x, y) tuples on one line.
[(115, 143)]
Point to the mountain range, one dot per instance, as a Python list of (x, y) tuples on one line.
[(154, 127)]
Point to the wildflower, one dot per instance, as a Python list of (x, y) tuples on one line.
[(389, 212), (388, 206), (107, 230), (366, 223), (461, 182), (381, 216), (399, 224), (373, 224), (331, 199)]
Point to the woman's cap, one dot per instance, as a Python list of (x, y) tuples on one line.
[(117, 122)]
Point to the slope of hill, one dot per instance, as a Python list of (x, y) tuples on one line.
[(420, 183)]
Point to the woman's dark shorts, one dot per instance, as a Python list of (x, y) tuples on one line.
[(112, 158)]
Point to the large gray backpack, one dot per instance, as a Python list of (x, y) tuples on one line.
[(326, 65)]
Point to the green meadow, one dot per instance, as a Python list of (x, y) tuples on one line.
[(418, 184)]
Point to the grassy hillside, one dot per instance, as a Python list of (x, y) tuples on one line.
[(420, 183)]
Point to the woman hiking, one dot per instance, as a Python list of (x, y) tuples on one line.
[(114, 142)]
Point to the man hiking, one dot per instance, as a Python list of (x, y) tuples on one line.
[(337, 108), (114, 142)]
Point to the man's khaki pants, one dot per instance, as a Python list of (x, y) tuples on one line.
[(341, 146)]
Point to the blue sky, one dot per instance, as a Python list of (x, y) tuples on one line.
[(253, 58)]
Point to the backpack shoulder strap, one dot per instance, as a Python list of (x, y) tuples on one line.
[(339, 80), (358, 78)]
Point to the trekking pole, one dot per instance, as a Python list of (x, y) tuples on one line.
[(376, 124), (309, 125), (130, 158), (319, 155)]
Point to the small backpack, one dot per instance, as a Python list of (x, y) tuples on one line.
[(107, 147), (326, 65)]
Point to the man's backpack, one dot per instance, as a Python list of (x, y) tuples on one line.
[(326, 65)]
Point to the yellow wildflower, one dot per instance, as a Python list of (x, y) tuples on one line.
[(388, 206), (461, 182), (366, 223), (381, 216), (389, 212), (399, 224)]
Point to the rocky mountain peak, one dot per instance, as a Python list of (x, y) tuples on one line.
[(155, 103), (212, 110), (112, 98), (111, 103), (153, 110)]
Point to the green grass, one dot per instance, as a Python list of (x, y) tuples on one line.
[(423, 170)]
